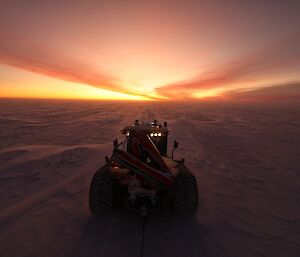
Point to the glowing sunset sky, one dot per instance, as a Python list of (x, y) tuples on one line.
[(148, 49)]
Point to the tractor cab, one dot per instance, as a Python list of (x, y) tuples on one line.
[(158, 134)]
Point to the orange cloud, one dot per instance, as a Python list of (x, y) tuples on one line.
[(289, 91), (41, 60), (285, 55)]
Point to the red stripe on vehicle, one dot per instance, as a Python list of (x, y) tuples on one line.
[(144, 168)]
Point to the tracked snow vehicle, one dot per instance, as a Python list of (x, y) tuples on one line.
[(140, 174)]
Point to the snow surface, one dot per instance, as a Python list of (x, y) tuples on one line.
[(245, 158)]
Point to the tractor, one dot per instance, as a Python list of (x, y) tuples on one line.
[(140, 176)]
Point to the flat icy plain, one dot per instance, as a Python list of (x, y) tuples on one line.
[(246, 158)]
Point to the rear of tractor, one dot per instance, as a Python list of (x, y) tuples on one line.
[(139, 174)]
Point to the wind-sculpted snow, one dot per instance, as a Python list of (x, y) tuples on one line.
[(245, 158)]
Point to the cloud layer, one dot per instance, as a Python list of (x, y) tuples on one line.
[(39, 59), (281, 57), (177, 52), (289, 91)]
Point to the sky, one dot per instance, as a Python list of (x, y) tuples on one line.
[(150, 50)]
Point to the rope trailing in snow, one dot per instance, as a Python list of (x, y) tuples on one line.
[(144, 218), (142, 247)]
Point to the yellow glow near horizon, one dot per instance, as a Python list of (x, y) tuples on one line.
[(79, 91), (17, 83)]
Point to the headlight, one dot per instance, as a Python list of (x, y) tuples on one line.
[(156, 134)]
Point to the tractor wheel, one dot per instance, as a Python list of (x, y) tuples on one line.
[(101, 196), (186, 192)]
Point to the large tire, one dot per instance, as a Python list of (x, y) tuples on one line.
[(186, 192), (101, 196)]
